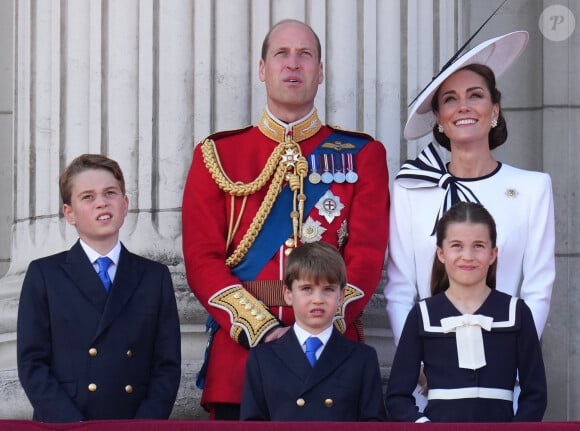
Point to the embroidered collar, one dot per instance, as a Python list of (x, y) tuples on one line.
[(298, 131)]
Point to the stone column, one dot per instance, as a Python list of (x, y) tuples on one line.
[(6, 130), (422, 63), (104, 77), (558, 132)]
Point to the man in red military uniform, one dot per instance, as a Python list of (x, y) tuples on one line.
[(252, 195)]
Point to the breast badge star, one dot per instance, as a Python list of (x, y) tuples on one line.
[(312, 231), (329, 206)]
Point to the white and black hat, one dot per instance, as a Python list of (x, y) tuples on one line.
[(498, 54)]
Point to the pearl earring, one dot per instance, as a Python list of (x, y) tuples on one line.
[(439, 128), (493, 123)]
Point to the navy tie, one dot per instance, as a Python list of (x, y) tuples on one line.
[(312, 345), (104, 263)]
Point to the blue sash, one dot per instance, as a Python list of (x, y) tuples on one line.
[(278, 226)]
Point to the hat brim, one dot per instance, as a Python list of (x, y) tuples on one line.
[(498, 54)]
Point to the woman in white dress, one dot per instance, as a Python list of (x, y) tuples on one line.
[(461, 106)]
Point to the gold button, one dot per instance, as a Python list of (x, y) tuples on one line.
[(328, 402), (300, 402), (128, 389), (288, 251), (92, 352), (92, 387), (289, 242), (129, 353)]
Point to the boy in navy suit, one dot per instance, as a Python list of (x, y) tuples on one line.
[(98, 331), (329, 379)]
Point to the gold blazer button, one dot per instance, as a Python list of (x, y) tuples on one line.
[(300, 402)]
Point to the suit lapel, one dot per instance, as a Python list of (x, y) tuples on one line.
[(334, 354), (127, 278), (290, 352), (80, 270)]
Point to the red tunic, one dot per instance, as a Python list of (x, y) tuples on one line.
[(206, 213)]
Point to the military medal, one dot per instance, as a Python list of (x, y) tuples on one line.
[(351, 175), (339, 176), (342, 233), (314, 177), (326, 175)]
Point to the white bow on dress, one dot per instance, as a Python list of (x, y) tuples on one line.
[(469, 338)]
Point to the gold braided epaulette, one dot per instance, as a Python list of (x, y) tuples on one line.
[(351, 293), (214, 166), (351, 132), (247, 313)]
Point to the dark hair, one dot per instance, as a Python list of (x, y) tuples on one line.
[(266, 43), (498, 134), (83, 163), (318, 261), (462, 212)]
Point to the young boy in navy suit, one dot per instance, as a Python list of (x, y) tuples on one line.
[(98, 331), (343, 383)]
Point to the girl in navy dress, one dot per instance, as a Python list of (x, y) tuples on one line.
[(472, 340)]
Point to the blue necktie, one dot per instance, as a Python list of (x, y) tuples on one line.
[(104, 263), (312, 345)]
